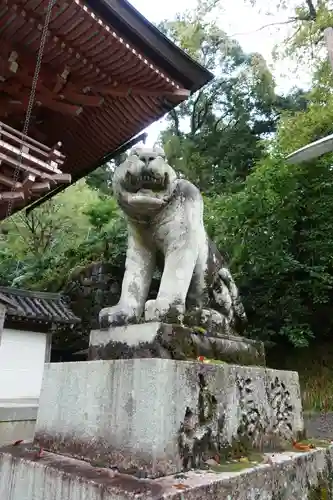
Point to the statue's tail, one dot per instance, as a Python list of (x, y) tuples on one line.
[(239, 317)]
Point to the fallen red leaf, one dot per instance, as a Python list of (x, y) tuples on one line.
[(180, 486), (201, 358), (18, 442), (302, 447)]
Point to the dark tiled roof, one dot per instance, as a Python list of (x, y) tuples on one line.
[(6, 301), (37, 306)]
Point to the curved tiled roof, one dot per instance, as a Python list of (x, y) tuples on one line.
[(99, 85), (37, 306)]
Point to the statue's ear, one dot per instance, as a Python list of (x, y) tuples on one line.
[(159, 151), (134, 151)]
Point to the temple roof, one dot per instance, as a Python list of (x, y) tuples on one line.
[(106, 74), (27, 306)]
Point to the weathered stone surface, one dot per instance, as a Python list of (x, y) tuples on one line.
[(162, 416), (172, 341), (23, 476), (287, 476), (165, 218)]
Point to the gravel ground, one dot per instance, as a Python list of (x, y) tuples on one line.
[(319, 425)]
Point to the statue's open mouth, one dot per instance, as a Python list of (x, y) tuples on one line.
[(147, 180)]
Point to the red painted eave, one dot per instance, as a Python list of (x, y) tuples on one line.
[(104, 45)]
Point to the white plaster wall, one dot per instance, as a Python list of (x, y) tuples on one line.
[(22, 358), (2, 317)]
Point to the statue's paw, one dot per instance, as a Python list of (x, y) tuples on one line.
[(164, 310), (116, 316)]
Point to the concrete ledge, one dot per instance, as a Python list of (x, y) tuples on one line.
[(294, 476), (18, 410), (15, 430), (17, 419)]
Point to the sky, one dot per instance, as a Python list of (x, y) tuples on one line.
[(242, 22)]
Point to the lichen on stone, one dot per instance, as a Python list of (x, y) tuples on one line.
[(323, 490), (199, 432)]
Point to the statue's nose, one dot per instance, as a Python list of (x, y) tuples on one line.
[(146, 159)]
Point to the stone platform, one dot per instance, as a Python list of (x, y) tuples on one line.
[(173, 341), (284, 476), (162, 416)]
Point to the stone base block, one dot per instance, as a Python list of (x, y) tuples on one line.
[(162, 340), (162, 416), (286, 476), (17, 420)]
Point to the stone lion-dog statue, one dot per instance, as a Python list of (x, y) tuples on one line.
[(165, 216)]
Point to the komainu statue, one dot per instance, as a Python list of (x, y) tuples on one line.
[(165, 217)]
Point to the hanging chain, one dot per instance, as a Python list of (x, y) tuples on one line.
[(32, 96)]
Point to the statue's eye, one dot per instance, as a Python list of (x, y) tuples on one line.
[(151, 158)]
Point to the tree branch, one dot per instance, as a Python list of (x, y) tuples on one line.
[(202, 116), (278, 23), (312, 10), (216, 124), (174, 116), (194, 126)]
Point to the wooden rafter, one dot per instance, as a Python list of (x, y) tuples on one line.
[(36, 165), (54, 156), (90, 65), (120, 90), (55, 92), (41, 148)]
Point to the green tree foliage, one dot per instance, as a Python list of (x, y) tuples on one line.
[(78, 226), (273, 220), (277, 228), (306, 22), (101, 178), (214, 138), (277, 233)]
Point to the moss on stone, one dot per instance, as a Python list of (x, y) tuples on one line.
[(317, 443), (319, 492), (238, 465), (199, 329), (323, 490), (239, 448)]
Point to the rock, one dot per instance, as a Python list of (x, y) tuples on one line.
[(172, 341), (163, 416)]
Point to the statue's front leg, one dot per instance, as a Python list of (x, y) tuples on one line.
[(139, 268), (178, 271)]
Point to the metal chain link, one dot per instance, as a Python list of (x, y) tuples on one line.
[(32, 96)]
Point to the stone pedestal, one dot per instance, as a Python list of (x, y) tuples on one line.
[(155, 426), (161, 340), (162, 416), (285, 476)]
